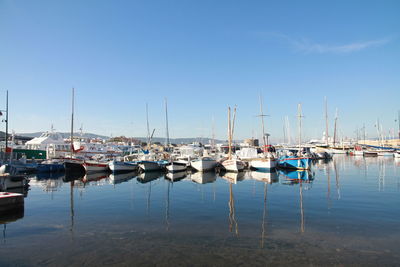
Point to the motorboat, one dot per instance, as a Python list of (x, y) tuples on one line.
[(204, 164), (123, 166)]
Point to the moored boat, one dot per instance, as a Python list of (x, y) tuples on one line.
[(233, 165), (177, 166), (204, 164), (264, 164), (95, 166), (148, 165), (123, 166)]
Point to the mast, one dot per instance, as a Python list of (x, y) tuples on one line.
[(72, 122), (300, 116), (147, 121), (335, 128), (398, 120), (213, 133), (262, 123), (326, 122), (5, 152), (229, 135), (166, 122)]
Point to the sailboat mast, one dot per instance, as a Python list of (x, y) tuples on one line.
[(262, 123), (398, 120), (229, 134), (6, 139), (72, 122), (326, 122), (147, 121), (299, 117), (166, 122), (335, 128)]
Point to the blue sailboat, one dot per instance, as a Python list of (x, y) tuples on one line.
[(296, 160)]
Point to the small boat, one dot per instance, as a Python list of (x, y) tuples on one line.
[(204, 164), (233, 165), (370, 153), (177, 166), (8, 181), (49, 166), (74, 165), (95, 166), (149, 165), (123, 166), (397, 154), (264, 164), (294, 162), (10, 202)]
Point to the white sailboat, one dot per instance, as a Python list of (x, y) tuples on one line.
[(268, 161), (232, 164)]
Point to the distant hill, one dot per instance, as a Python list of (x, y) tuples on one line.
[(180, 140), (188, 140), (67, 135)]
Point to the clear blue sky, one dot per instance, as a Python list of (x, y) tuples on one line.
[(202, 56)]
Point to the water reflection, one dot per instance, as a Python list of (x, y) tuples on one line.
[(267, 177), (203, 177), (121, 177), (10, 217), (283, 216), (176, 176), (232, 177)]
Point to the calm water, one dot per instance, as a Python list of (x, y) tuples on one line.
[(348, 212)]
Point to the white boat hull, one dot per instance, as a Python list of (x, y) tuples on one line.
[(233, 165), (122, 166), (204, 165), (385, 154), (176, 167), (397, 155), (358, 153), (264, 164), (95, 166)]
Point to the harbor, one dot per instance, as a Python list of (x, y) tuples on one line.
[(199, 133)]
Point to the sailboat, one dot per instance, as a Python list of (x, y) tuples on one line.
[(268, 160), (73, 164), (232, 164), (292, 161)]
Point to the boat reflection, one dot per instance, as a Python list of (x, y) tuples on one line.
[(203, 177), (232, 177), (233, 225), (263, 230), (296, 176), (9, 217), (94, 178), (146, 177), (266, 177), (176, 176), (121, 177)]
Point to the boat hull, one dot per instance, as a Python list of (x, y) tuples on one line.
[(263, 164), (95, 167), (233, 165), (299, 163), (119, 166), (204, 165), (149, 166), (176, 167), (74, 166)]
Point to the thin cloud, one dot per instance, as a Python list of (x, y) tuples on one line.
[(308, 46)]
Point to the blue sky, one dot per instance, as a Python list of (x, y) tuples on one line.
[(202, 56)]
